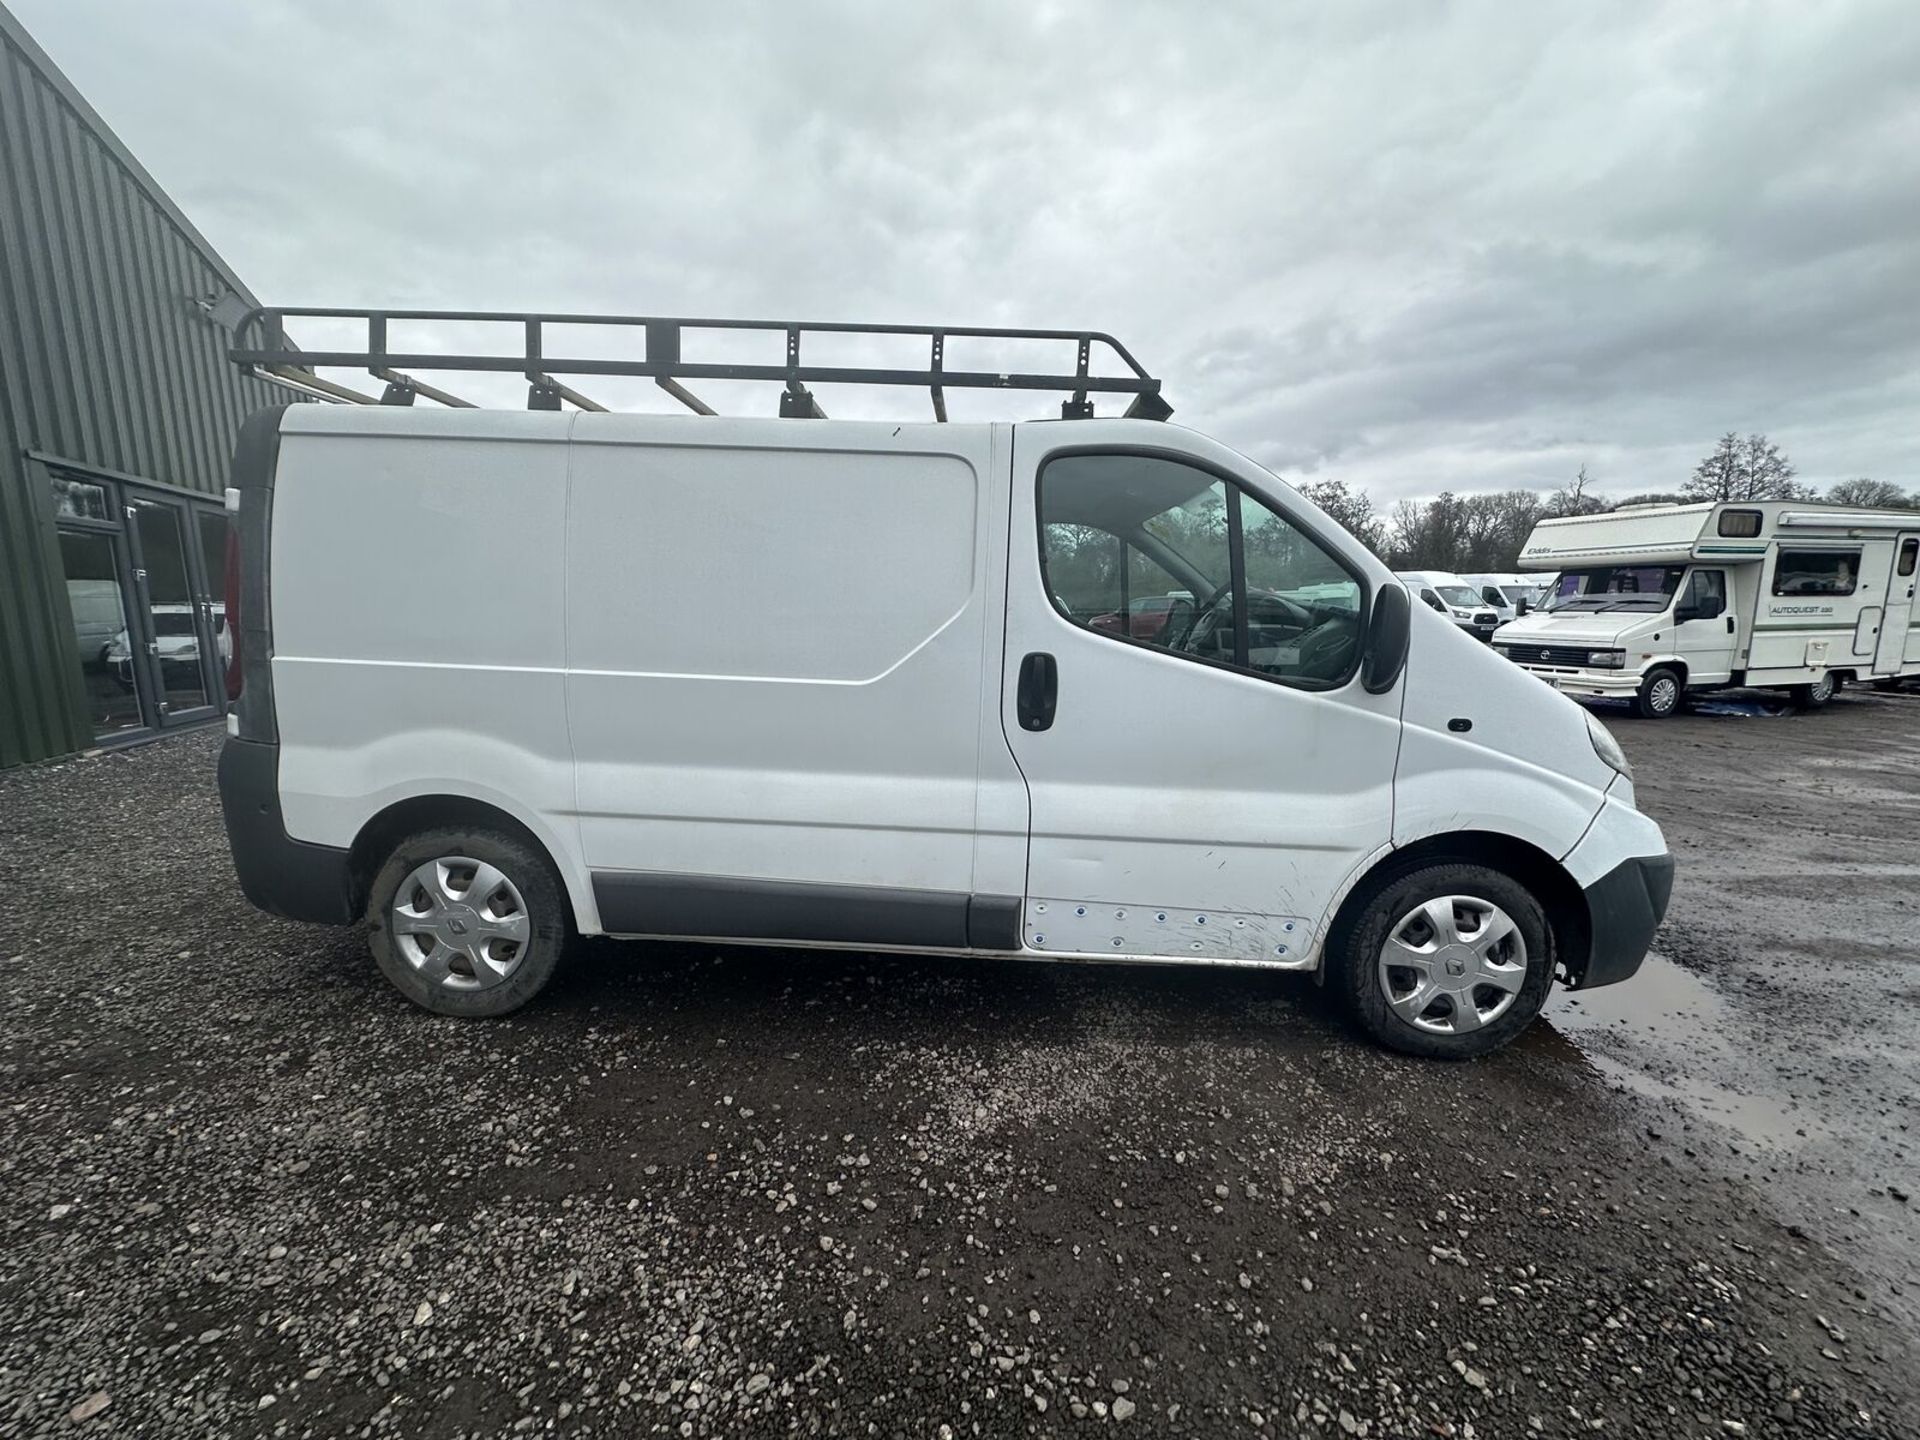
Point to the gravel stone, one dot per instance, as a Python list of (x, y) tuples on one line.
[(295, 1207)]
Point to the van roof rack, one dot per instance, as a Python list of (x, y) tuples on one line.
[(261, 348)]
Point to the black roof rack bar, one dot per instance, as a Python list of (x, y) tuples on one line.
[(261, 341)]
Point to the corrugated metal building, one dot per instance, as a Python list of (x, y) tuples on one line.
[(118, 412)]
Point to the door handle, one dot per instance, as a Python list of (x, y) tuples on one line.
[(1039, 688), (1731, 627)]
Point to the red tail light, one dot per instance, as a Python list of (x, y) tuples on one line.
[(236, 677)]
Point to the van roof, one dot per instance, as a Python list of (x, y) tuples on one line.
[(631, 427)]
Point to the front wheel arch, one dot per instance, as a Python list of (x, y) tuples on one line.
[(1560, 897)]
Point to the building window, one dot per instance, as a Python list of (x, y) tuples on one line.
[(78, 500)]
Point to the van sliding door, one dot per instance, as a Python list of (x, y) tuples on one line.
[(774, 683)]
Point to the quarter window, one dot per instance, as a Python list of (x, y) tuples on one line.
[(1816, 572), (1909, 549), (1160, 553)]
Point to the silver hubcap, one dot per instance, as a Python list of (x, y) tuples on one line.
[(461, 923), (1453, 964), (1664, 693), (1823, 688)]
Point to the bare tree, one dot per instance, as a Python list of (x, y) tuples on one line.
[(1351, 508), (1576, 497), (1750, 469), (1875, 494)]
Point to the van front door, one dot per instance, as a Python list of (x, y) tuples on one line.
[(1200, 788), (1704, 629), (1896, 646)]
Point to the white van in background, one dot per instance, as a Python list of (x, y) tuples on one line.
[(509, 677), (1508, 596), (1452, 596), (1656, 602)]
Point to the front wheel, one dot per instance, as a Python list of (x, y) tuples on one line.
[(467, 921), (1659, 695), (1449, 962), (1812, 697)]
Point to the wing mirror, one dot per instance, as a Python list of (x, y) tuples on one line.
[(1387, 630), (1522, 606)]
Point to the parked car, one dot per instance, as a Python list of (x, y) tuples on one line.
[(480, 762), (178, 641), (1657, 602), (1453, 597), (1148, 617)]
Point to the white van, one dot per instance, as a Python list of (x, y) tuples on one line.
[(1508, 596), (509, 677), (1656, 602), (1451, 595)]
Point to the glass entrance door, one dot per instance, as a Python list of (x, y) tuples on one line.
[(97, 596), (170, 590)]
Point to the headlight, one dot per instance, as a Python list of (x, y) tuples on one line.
[(1607, 659), (1606, 747)]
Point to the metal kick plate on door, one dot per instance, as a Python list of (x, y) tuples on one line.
[(1086, 927)]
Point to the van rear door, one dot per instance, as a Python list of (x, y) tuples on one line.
[(1202, 791)]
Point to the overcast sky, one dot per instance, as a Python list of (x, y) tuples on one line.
[(1413, 245)]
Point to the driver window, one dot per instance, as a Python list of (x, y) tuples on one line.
[(1160, 553)]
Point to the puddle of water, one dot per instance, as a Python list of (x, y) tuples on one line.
[(1662, 1003), (1658, 1032)]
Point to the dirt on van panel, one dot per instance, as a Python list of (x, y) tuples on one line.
[(246, 1189)]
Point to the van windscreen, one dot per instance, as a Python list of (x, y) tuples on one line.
[(1616, 587)]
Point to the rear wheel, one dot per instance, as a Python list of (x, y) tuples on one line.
[(467, 921), (1449, 962), (1660, 694), (1812, 697)]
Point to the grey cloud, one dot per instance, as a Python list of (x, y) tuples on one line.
[(1408, 245)]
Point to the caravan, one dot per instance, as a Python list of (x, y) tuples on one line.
[(1654, 602)]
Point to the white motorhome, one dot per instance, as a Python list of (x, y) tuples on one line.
[(508, 677), (1654, 602)]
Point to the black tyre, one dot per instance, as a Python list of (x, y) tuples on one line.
[(1449, 962), (1661, 694), (1814, 696), (467, 921)]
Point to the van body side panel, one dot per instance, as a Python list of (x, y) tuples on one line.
[(775, 645), (1524, 766), (417, 623), (1179, 810)]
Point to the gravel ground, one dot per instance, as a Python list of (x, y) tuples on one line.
[(245, 1189)]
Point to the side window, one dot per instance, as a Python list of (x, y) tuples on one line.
[(1161, 553), (1909, 550), (1816, 572), (1706, 593)]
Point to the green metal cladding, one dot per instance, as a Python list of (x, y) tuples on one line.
[(109, 360)]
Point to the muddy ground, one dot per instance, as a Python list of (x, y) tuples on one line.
[(245, 1189)]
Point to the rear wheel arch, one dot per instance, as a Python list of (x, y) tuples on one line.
[(1559, 895), (386, 830)]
